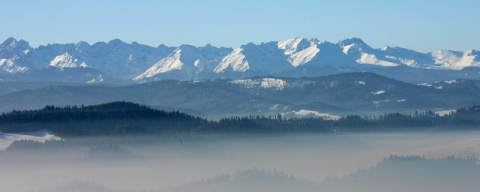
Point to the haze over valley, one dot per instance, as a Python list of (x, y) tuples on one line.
[(236, 96)]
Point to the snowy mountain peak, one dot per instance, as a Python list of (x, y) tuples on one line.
[(350, 41), (300, 50), (446, 59), (10, 42), (354, 46), (11, 48), (169, 63), (236, 60), (372, 59), (297, 44), (303, 56), (296, 57), (9, 66), (66, 61)]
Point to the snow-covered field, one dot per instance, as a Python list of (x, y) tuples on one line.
[(6, 139)]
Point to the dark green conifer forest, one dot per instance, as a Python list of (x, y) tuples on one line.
[(125, 118)]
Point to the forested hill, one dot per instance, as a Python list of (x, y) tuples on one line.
[(120, 118), (114, 110), (110, 118)]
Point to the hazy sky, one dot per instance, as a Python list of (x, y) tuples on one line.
[(424, 25)]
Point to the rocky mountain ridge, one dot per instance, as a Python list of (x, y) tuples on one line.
[(119, 62)]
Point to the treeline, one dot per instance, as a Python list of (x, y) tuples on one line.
[(130, 118), (104, 119), (462, 119)]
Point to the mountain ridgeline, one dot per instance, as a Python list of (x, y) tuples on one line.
[(117, 62), (124, 118), (342, 94)]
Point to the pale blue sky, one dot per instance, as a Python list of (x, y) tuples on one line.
[(423, 25)]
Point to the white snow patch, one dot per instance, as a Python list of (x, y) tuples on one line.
[(452, 60), (172, 62), (303, 56), (130, 58), (373, 60), (277, 107), (310, 113), (408, 62), (249, 83), (445, 112), (289, 46), (266, 83), (425, 84), (236, 59), (6, 139), (98, 79), (378, 92), (278, 84), (451, 81), (196, 63), (346, 48), (66, 61), (26, 51), (360, 82), (9, 66)]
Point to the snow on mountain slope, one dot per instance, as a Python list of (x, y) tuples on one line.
[(353, 46), (364, 54), (406, 57), (12, 48), (447, 59), (11, 54), (300, 50), (373, 60), (9, 66), (346, 48), (66, 61), (236, 60), (303, 56), (171, 62), (186, 63), (294, 45), (6, 139), (293, 57), (97, 79)]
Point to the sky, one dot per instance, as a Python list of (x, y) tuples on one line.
[(425, 25)]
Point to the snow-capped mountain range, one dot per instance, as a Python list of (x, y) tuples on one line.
[(117, 61)]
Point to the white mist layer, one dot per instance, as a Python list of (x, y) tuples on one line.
[(159, 163)]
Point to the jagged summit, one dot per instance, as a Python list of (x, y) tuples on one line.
[(10, 41), (354, 40), (66, 61), (293, 57)]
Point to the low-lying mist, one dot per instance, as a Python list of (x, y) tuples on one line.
[(425, 161)]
